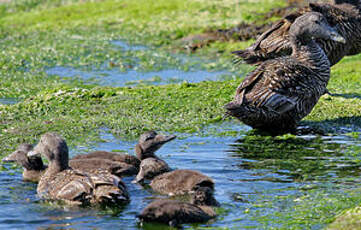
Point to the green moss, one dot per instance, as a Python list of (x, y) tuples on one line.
[(37, 35)]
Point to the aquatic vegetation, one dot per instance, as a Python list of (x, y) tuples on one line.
[(36, 36)]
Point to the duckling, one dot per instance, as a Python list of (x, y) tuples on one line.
[(275, 42), (34, 167), (280, 92), (175, 213), (61, 182), (112, 156), (180, 182), (151, 165)]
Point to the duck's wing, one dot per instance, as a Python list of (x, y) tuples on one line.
[(271, 44), (278, 85)]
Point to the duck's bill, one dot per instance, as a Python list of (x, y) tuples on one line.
[(33, 153), (10, 158), (338, 38), (165, 139)]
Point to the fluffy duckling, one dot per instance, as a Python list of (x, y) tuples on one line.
[(181, 181), (280, 92), (151, 165), (112, 156), (61, 182), (33, 166), (174, 213)]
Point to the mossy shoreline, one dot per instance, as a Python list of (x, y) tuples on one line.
[(38, 35)]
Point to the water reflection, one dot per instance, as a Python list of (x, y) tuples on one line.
[(302, 158)]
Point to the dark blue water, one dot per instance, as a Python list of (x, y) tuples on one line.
[(242, 172)]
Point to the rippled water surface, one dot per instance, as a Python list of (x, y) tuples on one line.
[(245, 169)]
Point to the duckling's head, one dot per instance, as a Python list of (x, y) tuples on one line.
[(313, 25), (20, 157), (149, 142), (201, 195), (53, 147)]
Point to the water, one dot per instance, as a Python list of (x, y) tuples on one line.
[(125, 46), (246, 170), (131, 75), (115, 77), (8, 101)]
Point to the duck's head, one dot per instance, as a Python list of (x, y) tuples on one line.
[(20, 157), (313, 25), (53, 147), (201, 195), (149, 142)]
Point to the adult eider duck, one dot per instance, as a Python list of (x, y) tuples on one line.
[(275, 42), (62, 183), (175, 213), (280, 92)]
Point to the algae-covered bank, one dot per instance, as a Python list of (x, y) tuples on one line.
[(102, 72)]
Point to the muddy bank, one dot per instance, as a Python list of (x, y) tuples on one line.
[(243, 31)]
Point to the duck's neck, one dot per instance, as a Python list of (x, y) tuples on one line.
[(143, 154), (310, 54), (58, 164)]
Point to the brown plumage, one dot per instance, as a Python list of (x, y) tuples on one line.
[(181, 181), (61, 182), (34, 167), (91, 165), (151, 165), (112, 156), (174, 213), (281, 91), (275, 42)]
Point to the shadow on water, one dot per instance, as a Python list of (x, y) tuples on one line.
[(337, 126), (301, 158)]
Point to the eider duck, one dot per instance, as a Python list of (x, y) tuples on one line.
[(175, 213), (34, 167), (112, 156), (344, 16), (280, 92), (151, 165), (62, 183), (180, 182)]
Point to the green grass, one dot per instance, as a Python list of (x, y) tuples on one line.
[(37, 35)]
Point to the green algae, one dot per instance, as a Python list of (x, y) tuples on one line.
[(36, 35)]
